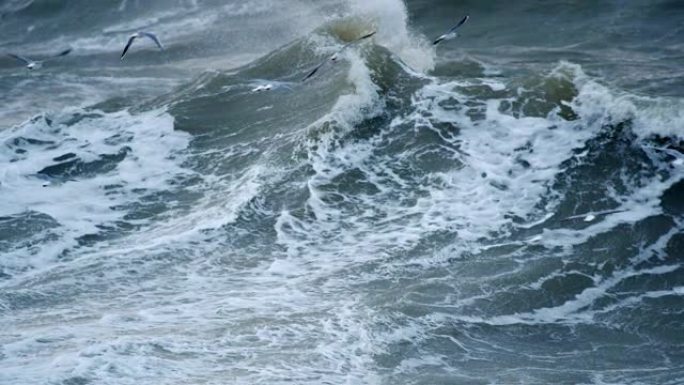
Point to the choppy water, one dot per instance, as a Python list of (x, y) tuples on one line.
[(411, 215)]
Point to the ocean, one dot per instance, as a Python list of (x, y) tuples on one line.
[(506, 207)]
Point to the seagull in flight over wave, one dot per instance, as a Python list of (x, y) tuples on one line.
[(136, 35), (37, 64), (272, 85), (263, 87), (452, 34), (591, 216), (334, 57)]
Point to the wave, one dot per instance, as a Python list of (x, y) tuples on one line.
[(86, 176), (394, 218)]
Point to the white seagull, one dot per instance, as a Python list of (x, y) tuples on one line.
[(37, 64), (452, 32), (263, 87), (136, 35), (335, 56), (591, 216)]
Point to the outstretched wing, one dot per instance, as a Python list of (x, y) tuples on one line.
[(63, 53), (20, 58), (313, 71), (460, 23), (364, 37), (452, 31), (154, 38), (439, 40), (331, 57), (128, 45)]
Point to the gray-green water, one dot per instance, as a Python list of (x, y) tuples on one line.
[(505, 208)]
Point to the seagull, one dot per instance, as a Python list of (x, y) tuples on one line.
[(591, 216), (263, 87), (334, 57), (452, 32), (37, 64), (136, 35)]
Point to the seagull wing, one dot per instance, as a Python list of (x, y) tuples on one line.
[(128, 45), (20, 58), (318, 67), (460, 23), (154, 38), (364, 37), (452, 30), (313, 71), (63, 53), (590, 216), (351, 43)]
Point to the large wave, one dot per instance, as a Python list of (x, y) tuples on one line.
[(395, 219)]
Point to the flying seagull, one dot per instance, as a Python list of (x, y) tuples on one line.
[(263, 87), (335, 56), (591, 216), (37, 64), (452, 32), (136, 35), (272, 85)]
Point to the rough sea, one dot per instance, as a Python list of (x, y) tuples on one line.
[(503, 208)]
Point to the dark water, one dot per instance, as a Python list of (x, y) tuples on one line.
[(505, 208)]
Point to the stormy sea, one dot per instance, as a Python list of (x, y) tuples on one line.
[(505, 207)]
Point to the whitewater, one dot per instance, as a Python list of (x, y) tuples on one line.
[(504, 208)]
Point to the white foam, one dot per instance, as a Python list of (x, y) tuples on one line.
[(76, 92), (81, 205), (296, 315), (219, 206), (471, 200), (253, 325), (650, 116), (572, 311), (475, 200), (640, 203)]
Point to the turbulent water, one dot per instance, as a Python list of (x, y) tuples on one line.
[(504, 208)]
